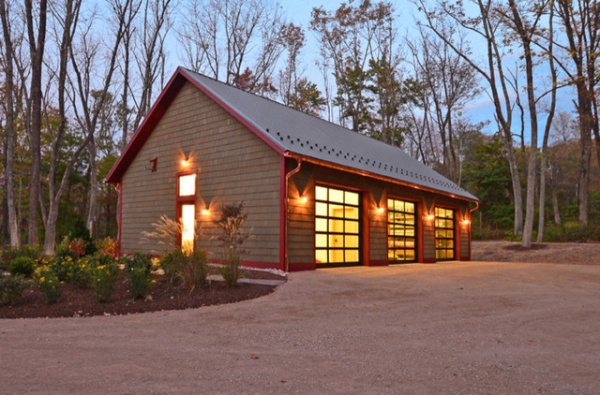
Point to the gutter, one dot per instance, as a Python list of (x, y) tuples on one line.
[(286, 202)]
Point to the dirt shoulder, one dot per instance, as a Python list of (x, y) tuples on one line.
[(557, 253)]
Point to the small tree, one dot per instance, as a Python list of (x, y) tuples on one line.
[(231, 221)]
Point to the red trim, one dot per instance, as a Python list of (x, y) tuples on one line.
[(365, 229), (378, 262), (147, 127), (231, 111), (120, 224), (282, 213), (457, 236), (159, 108), (430, 260), (375, 176), (298, 267), (420, 231)]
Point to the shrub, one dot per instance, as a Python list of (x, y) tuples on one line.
[(138, 269), (192, 271), (22, 265), (231, 269), (100, 259), (104, 278), (11, 290), (78, 247), (80, 272), (108, 246), (80, 231), (63, 250), (166, 233), (189, 269), (47, 281), (62, 266), (170, 262), (231, 221), (9, 254)]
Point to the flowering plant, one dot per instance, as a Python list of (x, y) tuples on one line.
[(104, 278), (47, 281)]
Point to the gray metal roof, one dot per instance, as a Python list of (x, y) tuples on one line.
[(312, 137)]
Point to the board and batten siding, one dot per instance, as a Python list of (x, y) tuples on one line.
[(232, 165)]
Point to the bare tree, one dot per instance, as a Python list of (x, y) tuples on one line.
[(449, 82), (525, 23), (67, 15), (236, 41), (485, 25), (151, 39), (126, 54), (580, 21), (36, 52), (10, 125), (85, 61)]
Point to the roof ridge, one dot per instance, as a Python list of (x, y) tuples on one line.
[(293, 109)]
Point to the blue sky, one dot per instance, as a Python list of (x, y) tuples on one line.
[(299, 12)]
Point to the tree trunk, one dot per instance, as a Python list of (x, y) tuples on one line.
[(542, 207), (93, 198), (553, 192), (36, 51), (13, 228)]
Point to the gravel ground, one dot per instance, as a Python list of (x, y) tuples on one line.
[(459, 327)]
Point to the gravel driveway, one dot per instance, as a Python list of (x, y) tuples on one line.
[(493, 328)]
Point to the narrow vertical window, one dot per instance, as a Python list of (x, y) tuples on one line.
[(186, 210)]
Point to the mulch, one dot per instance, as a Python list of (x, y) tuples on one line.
[(79, 302)]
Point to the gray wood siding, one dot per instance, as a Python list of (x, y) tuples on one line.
[(232, 165)]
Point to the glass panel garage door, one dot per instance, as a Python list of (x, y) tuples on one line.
[(444, 234), (402, 234), (337, 227)]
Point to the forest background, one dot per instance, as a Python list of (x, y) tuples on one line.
[(501, 97)]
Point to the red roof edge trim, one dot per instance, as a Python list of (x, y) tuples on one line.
[(147, 127), (254, 128), (289, 154)]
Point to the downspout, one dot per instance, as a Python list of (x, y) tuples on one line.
[(287, 189), (119, 189)]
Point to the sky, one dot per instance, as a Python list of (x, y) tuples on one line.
[(299, 12)]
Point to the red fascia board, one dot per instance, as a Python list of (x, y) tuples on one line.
[(158, 110), (243, 120), (147, 127), (374, 175)]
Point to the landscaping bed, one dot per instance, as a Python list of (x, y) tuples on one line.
[(80, 302)]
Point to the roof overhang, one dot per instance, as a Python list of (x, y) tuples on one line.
[(348, 169)]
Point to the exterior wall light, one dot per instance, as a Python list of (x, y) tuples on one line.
[(429, 217), (466, 222), (184, 163), (380, 210), (303, 199), (205, 212)]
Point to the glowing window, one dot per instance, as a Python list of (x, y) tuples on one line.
[(402, 241), (188, 222), (444, 234), (187, 185), (337, 226)]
